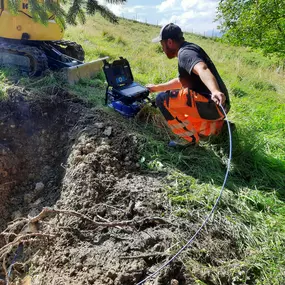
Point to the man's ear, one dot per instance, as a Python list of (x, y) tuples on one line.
[(170, 42)]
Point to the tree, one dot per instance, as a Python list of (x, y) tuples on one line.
[(76, 10), (254, 23)]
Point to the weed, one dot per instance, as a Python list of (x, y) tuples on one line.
[(238, 92), (121, 41), (264, 86), (109, 37)]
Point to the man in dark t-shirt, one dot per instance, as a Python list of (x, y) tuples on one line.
[(191, 103)]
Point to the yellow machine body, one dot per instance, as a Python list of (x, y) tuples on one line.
[(22, 25), (32, 47)]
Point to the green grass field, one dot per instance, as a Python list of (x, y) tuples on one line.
[(253, 204)]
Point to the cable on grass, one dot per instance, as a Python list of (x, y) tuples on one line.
[(190, 241)]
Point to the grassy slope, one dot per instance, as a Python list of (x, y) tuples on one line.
[(248, 75), (255, 191), (258, 172)]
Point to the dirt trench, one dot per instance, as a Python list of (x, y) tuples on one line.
[(56, 152), (33, 146)]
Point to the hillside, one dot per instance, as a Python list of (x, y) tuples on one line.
[(126, 202)]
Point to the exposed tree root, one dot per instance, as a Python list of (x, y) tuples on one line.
[(26, 231), (147, 255)]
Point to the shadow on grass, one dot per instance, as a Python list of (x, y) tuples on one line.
[(249, 166)]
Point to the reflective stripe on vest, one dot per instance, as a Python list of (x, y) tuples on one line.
[(177, 126), (203, 128), (213, 127), (186, 134), (180, 128)]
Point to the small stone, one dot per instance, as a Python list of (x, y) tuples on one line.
[(129, 175), (37, 202), (64, 259), (89, 148), (91, 280), (16, 215), (79, 266), (39, 186), (86, 204), (77, 152), (33, 213), (112, 274), (174, 282), (138, 204), (99, 125), (108, 131), (89, 145)]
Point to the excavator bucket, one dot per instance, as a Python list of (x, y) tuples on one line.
[(85, 70)]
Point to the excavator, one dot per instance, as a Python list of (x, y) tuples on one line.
[(33, 47)]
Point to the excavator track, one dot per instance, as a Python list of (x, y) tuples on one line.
[(69, 48), (29, 59)]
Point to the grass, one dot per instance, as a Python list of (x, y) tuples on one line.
[(255, 219), (252, 211), (7, 77)]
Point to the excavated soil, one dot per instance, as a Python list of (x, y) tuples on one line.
[(56, 152)]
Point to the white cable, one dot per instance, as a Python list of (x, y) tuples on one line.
[(210, 214)]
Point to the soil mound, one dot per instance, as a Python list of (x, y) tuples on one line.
[(94, 216), (57, 153)]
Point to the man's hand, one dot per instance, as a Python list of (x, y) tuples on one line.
[(170, 85), (152, 87), (218, 97)]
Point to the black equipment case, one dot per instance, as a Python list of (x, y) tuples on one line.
[(121, 86)]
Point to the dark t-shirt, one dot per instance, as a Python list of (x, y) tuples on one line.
[(189, 55)]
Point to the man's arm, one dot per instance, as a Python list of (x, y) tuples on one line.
[(170, 85), (210, 81)]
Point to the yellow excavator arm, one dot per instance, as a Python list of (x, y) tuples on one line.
[(23, 27)]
